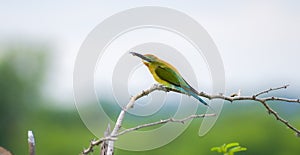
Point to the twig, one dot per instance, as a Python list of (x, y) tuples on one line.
[(183, 120), (118, 124), (271, 89), (94, 143), (31, 143), (263, 101), (255, 97), (233, 98), (103, 140), (104, 145)]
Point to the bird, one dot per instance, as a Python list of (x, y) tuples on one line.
[(167, 75)]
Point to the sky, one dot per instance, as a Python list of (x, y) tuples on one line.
[(257, 40)]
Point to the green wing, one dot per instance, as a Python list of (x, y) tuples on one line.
[(172, 77), (168, 75)]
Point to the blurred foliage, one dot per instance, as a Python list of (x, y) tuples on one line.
[(21, 75), (57, 131), (62, 132), (229, 149)]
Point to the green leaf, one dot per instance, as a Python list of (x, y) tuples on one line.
[(236, 149), (229, 149), (218, 149), (223, 148), (230, 145)]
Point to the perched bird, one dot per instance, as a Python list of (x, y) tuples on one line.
[(167, 75)]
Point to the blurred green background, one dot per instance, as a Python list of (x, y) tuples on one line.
[(60, 131)]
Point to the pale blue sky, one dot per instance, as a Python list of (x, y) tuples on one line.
[(259, 41)]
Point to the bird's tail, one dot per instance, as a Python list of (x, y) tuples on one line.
[(198, 98), (192, 92), (202, 101)]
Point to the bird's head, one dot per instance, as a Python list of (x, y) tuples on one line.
[(147, 58)]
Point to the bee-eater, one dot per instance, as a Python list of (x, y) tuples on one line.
[(167, 75)]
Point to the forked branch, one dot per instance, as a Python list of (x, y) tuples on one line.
[(263, 101), (237, 97), (171, 120)]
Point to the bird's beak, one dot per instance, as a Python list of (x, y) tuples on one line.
[(140, 56)]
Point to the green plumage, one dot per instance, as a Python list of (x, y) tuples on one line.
[(167, 75)]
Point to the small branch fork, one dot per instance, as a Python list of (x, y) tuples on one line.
[(263, 100), (102, 140), (271, 89), (183, 120), (122, 114), (94, 143)]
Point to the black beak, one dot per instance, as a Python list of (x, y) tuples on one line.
[(140, 56)]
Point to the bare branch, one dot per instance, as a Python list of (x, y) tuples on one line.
[(31, 143), (103, 140), (104, 145), (118, 124), (282, 99), (115, 133), (183, 120), (263, 101), (120, 120), (255, 97), (94, 143), (271, 89)]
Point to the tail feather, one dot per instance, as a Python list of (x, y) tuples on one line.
[(191, 92), (198, 98)]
